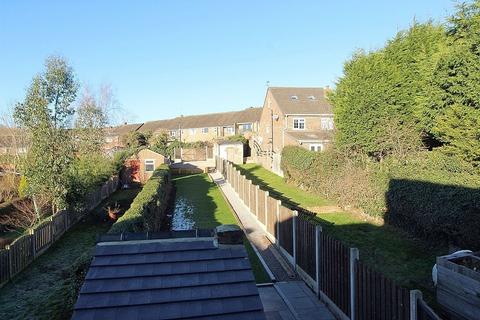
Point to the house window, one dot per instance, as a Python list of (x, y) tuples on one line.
[(173, 133), (299, 123), (192, 132), (246, 127), (229, 130), (316, 147), (149, 165), (327, 123), (204, 130), (109, 139)]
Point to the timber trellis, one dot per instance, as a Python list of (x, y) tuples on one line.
[(351, 289), (20, 253)]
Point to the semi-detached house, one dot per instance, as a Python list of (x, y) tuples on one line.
[(292, 116)]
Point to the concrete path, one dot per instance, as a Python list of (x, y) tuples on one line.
[(300, 300)]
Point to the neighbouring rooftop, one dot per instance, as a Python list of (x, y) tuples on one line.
[(169, 279)]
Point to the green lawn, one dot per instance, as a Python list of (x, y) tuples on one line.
[(384, 248), (278, 189), (208, 209), (48, 288)]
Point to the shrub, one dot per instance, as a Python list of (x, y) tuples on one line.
[(147, 210), (429, 194)]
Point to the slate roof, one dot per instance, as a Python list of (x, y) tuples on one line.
[(311, 135), (169, 279), (301, 100), (205, 120), (123, 129)]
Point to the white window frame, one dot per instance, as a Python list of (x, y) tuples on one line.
[(173, 133), (299, 121), (317, 147), (204, 130), (326, 123), (150, 162), (192, 132), (229, 130)]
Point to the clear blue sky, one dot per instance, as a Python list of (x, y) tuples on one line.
[(166, 58)]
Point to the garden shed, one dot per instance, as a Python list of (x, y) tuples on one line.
[(140, 166)]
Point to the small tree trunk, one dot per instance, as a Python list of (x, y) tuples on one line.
[(35, 207)]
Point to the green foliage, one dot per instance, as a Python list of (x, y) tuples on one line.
[(148, 208), (136, 139), (86, 174), (428, 194), (45, 114), (387, 86), (119, 158), (427, 78), (238, 137), (22, 187), (161, 144)]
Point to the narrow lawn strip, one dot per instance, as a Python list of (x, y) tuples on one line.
[(384, 248), (48, 288), (210, 209), (278, 189)]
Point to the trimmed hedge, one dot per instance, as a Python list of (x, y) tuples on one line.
[(147, 210), (429, 194)]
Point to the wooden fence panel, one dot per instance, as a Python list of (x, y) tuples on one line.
[(305, 245), (286, 229), (272, 216), (4, 266), (379, 298), (42, 236), (335, 271), (59, 223), (261, 206), (20, 254), (253, 198)]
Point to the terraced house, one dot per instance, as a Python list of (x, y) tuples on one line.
[(292, 116), (207, 127)]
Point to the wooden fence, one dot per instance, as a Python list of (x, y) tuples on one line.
[(331, 269), (20, 253)]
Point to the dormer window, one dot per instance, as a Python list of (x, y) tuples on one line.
[(299, 123), (311, 97), (293, 97)]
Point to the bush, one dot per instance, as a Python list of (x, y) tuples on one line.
[(148, 209), (428, 194)]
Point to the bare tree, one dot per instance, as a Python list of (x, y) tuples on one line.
[(24, 216)]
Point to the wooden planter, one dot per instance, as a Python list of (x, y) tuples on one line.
[(458, 286)]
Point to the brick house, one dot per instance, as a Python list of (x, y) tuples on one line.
[(207, 127), (292, 116), (140, 166)]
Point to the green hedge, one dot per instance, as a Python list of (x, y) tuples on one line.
[(429, 194), (147, 210)]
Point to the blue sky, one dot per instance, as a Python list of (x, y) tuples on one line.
[(167, 58)]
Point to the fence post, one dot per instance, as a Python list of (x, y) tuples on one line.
[(267, 194), (257, 189), (318, 231), (249, 188), (294, 224), (31, 232), (353, 260), (10, 261), (277, 227), (415, 295), (52, 230)]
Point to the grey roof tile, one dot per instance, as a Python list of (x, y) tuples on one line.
[(168, 280)]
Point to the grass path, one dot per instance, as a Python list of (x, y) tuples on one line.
[(384, 248), (210, 209), (47, 289)]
